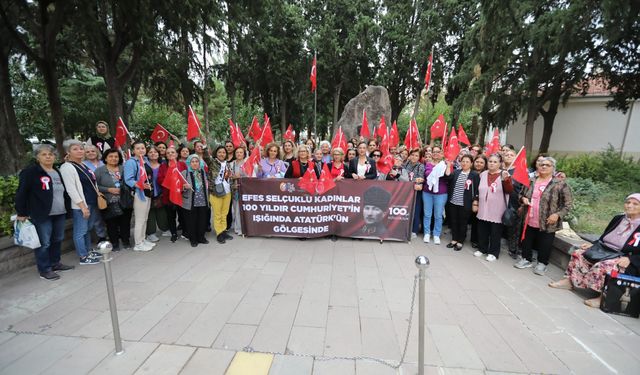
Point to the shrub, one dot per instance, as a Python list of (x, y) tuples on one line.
[(606, 167), (8, 188)]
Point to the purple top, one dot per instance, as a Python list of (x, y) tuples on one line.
[(616, 238), (268, 170), (442, 182)]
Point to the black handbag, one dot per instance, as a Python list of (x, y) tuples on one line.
[(621, 295), (126, 196), (510, 215), (599, 252)]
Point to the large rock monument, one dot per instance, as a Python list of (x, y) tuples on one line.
[(375, 100)]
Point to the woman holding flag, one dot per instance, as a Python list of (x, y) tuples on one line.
[(167, 174), (547, 201), (137, 176), (220, 191), (195, 190)]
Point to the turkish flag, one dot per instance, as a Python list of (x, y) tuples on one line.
[(177, 181), (437, 129), (121, 133), (394, 137), (309, 181), (494, 145), (382, 128), (325, 183), (384, 164), (462, 136), (142, 175), (160, 134), (254, 129), (339, 140), (313, 75), (253, 159), (289, 135), (453, 147), (521, 173), (364, 129), (233, 132), (427, 77), (239, 135), (193, 125), (266, 136), (411, 138)]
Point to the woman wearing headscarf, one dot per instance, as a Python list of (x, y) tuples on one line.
[(194, 200), (41, 197), (102, 140), (547, 201), (622, 238)]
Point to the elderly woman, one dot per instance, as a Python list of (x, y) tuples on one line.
[(299, 166), (337, 167), (434, 195), (547, 200), (622, 236), (194, 200), (362, 167), (271, 166), (325, 147), (220, 191), (41, 198), (92, 157), (138, 176), (82, 189), (110, 179), (171, 210)]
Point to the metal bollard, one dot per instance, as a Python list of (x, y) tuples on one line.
[(422, 262), (105, 248)]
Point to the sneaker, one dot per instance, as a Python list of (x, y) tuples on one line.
[(88, 260), (478, 253), (152, 238), (166, 233), (227, 236), (523, 263), (126, 246), (174, 237), (61, 267), (95, 255), (513, 255), (49, 276), (149, 243), (413, 235), (491, 258), (221, 238), (540, 269), (426, 238), (436, 240), (183, 237), (142, 247)]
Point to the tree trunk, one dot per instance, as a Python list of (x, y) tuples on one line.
[(49, 73), (12, 150), (416, 105), (482, 132), (532, 114), (336, 104), (283, 111), (549, 117), (475, 128)]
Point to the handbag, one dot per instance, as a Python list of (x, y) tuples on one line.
[(219, 190), (126, 196), (599, 252), (25, 234), (621, 294), (102, 201), (510, 214)]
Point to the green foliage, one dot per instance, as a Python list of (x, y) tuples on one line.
[(8, 188)]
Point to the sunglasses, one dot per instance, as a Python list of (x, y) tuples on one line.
[(376, 156)]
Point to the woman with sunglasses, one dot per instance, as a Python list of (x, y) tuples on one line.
[(547, 201)]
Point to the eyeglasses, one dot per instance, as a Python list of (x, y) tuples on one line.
[(545, 165), (376, 156)]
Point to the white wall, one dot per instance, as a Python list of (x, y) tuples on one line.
[(585, 125)]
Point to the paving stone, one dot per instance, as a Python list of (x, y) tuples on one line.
[(205, 290), (42, 356), (373, 304), (166, 359), (208, 361), (136, 354), (379, 339), (364, 367), (274, 268), (343, 291), (368, 278), (72, 322), (5, 336), (235, 336), (334, 367), (147, 317), (606, 351), (343, 332), (306, 340), (312, 312), (174, 323), (101, 325), (289, 365), (454, 348), (488, 303), (274, 329), (18, 346), (83, 358), (584, 363)]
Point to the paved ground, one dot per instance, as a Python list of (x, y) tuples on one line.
[(189, 311)]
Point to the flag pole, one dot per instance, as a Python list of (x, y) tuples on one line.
[(516, 158), (315, 99)]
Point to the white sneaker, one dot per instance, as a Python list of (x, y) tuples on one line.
[(166, 233), (142, 247), (413, 235), (148, 243), (426, 238), (152, 238), (478, 253), (436, 240), (491, 258)]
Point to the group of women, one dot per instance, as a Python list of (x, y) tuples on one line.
[(102, 193)]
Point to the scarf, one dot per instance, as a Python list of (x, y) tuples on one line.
[(434, 177)]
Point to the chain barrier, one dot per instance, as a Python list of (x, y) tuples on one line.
[(392, 364)]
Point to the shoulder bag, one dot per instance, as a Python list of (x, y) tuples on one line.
[(599, 252), (102, 201), (510, 215)]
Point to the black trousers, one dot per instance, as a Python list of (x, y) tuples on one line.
[(489, 235), (458, 219), (119, 228), (541, 241), (196, 219), (473, 219), (230, 215), (172, 211)]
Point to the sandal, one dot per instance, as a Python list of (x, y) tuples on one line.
[(451, 245), (561, 284), (593, 302), (458, 247)]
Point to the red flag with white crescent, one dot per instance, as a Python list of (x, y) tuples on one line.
[(193, 125), (521, 173), (289, 135), (314, 75), (121, 133), (364, 129), (462, 136), (160, 134), (437, 129), (394, 137), (254, 130), (427, 76)]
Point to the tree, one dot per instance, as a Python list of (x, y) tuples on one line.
[(35, 29)]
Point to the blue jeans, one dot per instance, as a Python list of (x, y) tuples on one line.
[(433, 204), (82, 230), (51, 233)]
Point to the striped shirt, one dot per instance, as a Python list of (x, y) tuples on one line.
[(458, 190)]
